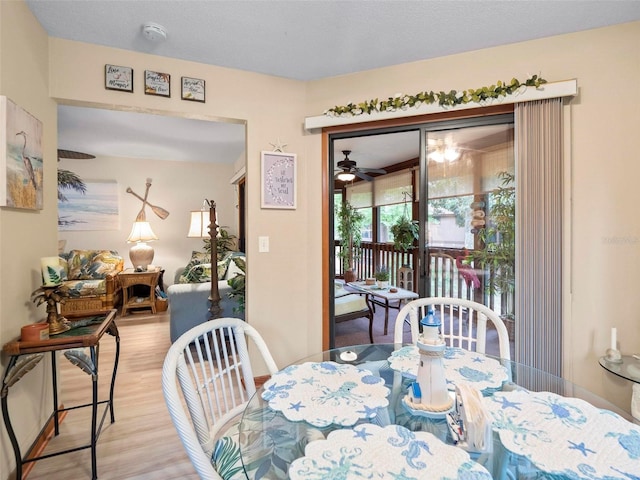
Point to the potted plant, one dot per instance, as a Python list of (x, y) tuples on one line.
[(350, 232), (382, 277), (225, 242), (237, 284), (405, 232), (498, 240)]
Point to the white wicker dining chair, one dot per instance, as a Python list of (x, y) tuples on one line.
[(210, 364), (464, 323)]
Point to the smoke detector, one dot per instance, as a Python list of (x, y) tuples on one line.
[(154, 32)]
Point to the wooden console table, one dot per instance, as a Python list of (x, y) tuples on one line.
[(129, 278), (85, 333)]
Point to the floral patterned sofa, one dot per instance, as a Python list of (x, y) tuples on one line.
[(89, 279)]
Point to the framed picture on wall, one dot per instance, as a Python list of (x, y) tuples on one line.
[(278, 173), (21, 160), (156, 83), (94, 209), (118, 78), (193, 89)]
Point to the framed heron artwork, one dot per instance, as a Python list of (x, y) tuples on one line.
[(21, 166)]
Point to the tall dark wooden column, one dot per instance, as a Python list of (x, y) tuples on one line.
[(215, 311)]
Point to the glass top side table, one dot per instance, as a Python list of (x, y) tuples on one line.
[(81, 347), (629, 369)]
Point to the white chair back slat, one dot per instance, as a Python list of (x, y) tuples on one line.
[(210, 364), (463, 323), (192, 393), (212, 361)]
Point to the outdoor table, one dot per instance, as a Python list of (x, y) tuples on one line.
[(384, 297)]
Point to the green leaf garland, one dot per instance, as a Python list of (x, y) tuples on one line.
[(444, 99)]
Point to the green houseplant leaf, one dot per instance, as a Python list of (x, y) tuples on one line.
[(405, 232), (498, 238), (350, 232)]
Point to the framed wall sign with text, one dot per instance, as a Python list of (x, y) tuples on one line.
[(118, 78), (157, 83), (278, 180), (193, 89)]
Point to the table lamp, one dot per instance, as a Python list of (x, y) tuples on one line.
[(141, 254), (203, 224)]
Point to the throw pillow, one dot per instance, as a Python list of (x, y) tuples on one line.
[(226, 457), (198, 270), (93, 264)]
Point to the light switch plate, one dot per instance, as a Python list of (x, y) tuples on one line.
[(263, 244)]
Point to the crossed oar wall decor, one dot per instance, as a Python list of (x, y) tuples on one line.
[(159, 211)]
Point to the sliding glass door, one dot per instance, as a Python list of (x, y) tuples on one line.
[(468, 219), (456, 178)]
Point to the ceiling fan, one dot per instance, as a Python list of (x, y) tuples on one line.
[(74, 155), (445, 149), (349, 171)]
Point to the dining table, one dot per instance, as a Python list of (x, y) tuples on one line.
[(341, 414)]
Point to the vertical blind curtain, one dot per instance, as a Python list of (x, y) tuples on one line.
[(538, 306)]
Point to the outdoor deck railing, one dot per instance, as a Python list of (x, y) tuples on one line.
[(448, 275)]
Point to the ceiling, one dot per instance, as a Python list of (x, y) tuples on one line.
[(114, 133), (297, 39), (312, 39)]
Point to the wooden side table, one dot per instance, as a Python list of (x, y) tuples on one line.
[(129, 278), (85, 332)]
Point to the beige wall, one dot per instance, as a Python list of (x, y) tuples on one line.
[(178, 187), (602, 232), (602, 249), (273, 108), (26, 235)]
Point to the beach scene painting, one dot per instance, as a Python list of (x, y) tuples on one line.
[(96, 209), (21, 165)]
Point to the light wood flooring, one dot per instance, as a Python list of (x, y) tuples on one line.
[(142, 443)]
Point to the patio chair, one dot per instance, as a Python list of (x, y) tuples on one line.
[(350, 306), (210, 363), (464, 323)]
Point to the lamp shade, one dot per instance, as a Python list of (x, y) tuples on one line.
[(346, 176), (141, 232), (199, 225)]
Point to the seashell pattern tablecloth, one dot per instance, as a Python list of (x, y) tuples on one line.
[(484, 373), (326, 393), (392, 452), (566, 436)]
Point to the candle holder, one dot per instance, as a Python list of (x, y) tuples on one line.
[(613, 355), (52, 295)]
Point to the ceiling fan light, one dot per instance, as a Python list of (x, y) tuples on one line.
[(451, 154), (345, 176), (437, 156)]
